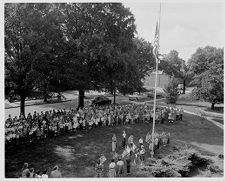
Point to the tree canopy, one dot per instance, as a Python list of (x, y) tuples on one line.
[(82, 46), (175, 66), (206, 64)]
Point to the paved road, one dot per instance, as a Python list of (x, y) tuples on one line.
[(71, 98)]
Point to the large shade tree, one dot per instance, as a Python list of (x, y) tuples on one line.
[(99, 38), (206, 64), (33, 40), (173, 65), (82, 46)]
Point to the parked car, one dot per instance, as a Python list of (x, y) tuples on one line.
[(150, 94), (136, 96), (133, 97), (158, 94), (101, 100)]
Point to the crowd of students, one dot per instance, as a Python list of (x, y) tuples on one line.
[(19, 130)]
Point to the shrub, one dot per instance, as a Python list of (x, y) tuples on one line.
[(179, 163), (171, 91)]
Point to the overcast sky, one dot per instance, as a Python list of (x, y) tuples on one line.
[(184, 26)]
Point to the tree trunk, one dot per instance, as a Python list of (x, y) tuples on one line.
[(114, 96), (213, 106), (81, 98), (114, 93), (22, 104), (111, 87), (45, 93), (184, 86)]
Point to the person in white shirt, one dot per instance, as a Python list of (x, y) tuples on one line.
[(55, 173), (44, 174), (140, 142), (114, 140), (37, 175)]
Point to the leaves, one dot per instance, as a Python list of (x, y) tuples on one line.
[(207, 66), (171, 91)]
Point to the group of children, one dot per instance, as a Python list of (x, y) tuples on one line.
[(19, 130), (30, 173), (130, 153)]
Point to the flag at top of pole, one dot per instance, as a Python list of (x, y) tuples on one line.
[(156, 42)]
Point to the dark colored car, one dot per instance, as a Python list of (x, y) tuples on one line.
[(152, 94), (101, 100)]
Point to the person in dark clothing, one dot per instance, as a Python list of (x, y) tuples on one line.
[(128, 162)]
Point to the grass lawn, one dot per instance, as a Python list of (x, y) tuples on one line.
[(76, 153)]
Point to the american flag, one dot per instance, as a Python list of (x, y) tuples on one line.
[(156, 41), (148, 137), (102, 159)]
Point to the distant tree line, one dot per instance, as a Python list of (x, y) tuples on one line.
[(204, 71)]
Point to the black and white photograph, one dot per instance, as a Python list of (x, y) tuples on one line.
[(113, 89)]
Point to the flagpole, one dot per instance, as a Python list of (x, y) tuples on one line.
[(156, 81)]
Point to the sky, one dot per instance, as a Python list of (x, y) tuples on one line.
[(183, 26)]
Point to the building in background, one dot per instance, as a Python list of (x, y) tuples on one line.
[(163, 80)]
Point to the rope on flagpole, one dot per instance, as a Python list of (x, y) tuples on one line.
[(156, 81)]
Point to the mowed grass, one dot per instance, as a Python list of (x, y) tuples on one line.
[(76, 153)]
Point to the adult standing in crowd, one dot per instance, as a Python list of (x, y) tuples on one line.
[(32, 173), (114, 140), (44, 174), (128, 162), (55, 173), (124, 140), (25, 171)]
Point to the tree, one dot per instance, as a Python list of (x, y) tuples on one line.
[(32, 34), (19, 52), (171, 91), (211, 85), (206, 64), (144, 56), (141, 63), (121, 28), (200, 61), (99, 36), (173, 65)]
